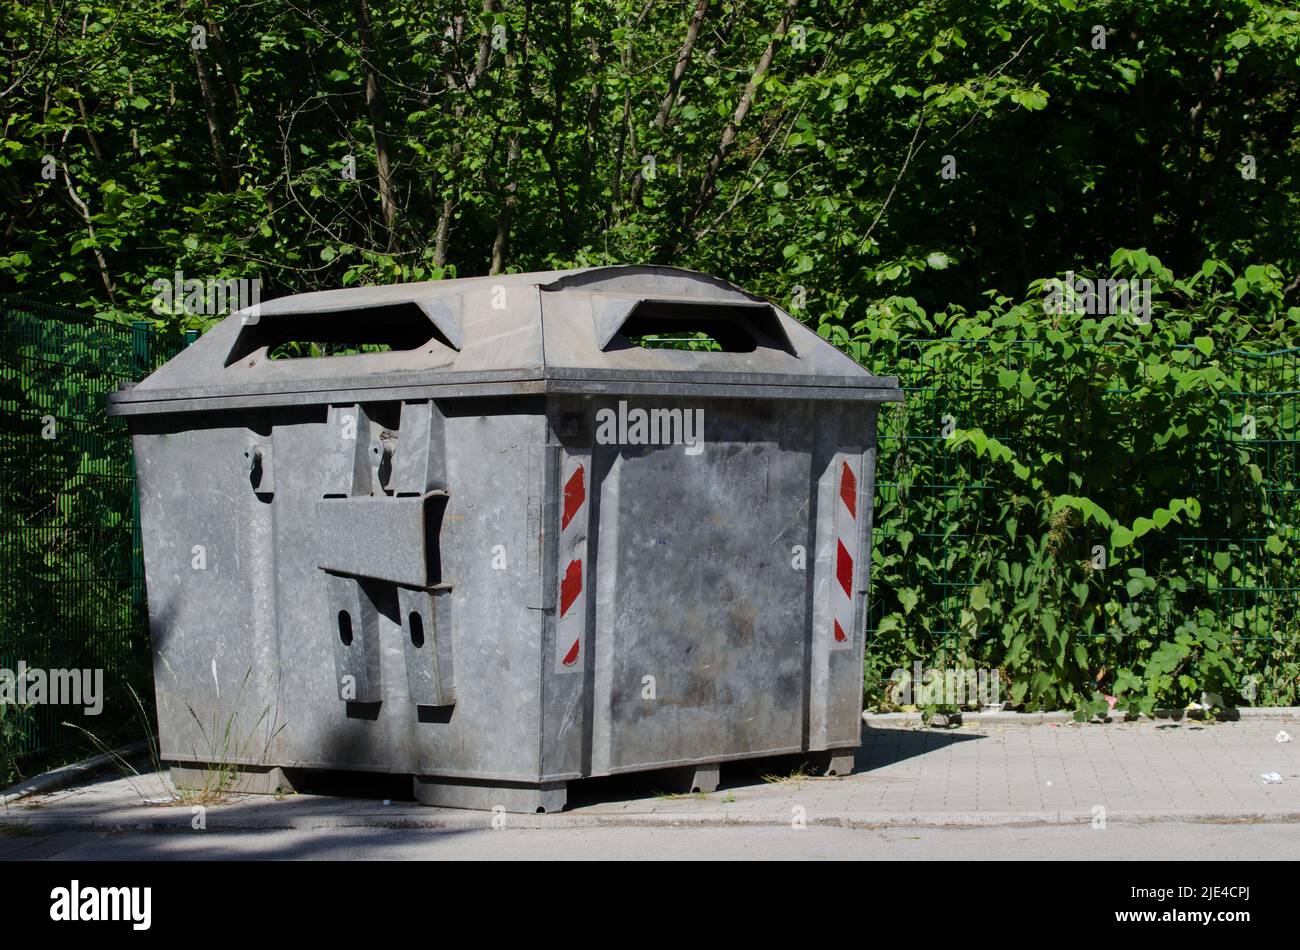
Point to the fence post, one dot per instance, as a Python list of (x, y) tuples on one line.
[(140, 330)]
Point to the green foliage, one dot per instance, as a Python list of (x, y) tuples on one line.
[(1093, 504), (231, 160), (11, 736)]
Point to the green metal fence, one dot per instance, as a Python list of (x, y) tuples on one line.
[(1253, 592), (71, 576)]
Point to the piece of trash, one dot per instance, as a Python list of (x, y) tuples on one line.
[(1110, 700), (1049, 783), (1271, 778), (1283, 736), (1210, 699)]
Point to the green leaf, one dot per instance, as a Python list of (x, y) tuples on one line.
[(1031, 99)]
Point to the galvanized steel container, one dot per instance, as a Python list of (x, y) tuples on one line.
[(514, 538)]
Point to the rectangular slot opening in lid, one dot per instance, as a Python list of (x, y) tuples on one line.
[(381, 329), (688, 325), (695, 340)]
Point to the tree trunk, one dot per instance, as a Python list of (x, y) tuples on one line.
[(674, 84), (505, 218), (81, 105), (442, 236), (706, 191), (624, 127), (598, 52), (85, 121), (100, 262), (560, 82), (626, 131), (375, 103), (683, 60), (216, 128)]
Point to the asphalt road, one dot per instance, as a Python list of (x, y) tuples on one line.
[(1148, 840)]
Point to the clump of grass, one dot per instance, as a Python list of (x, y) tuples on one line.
[(672, 796), (798, 775), (226, 748), (124, 765)]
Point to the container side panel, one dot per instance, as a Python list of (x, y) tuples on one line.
[(209, 569), (845, 462), (487, 532), (700, 619)]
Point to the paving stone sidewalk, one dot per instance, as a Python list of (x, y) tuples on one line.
[(906, 775)]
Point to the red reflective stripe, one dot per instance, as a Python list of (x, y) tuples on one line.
[(840, 636), (575, 493), (571, 586), (849, 490), (844, 569), (572, 656)]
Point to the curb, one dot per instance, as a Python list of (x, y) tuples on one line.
[(59, 778), (1012, 718), (484, 821)]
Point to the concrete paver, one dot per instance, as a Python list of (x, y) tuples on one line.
[(905, 775)]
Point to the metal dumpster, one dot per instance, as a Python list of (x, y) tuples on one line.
[(503, 533)]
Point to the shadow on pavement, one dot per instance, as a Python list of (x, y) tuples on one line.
[(883, 747)]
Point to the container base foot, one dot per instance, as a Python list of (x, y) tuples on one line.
[(546, 797), (237, 779), (836, 761), (693, 778)]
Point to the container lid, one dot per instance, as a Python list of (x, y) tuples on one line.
[(634, 330)]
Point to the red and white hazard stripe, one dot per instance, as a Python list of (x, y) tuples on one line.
[(843, 605), (571, 606)]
